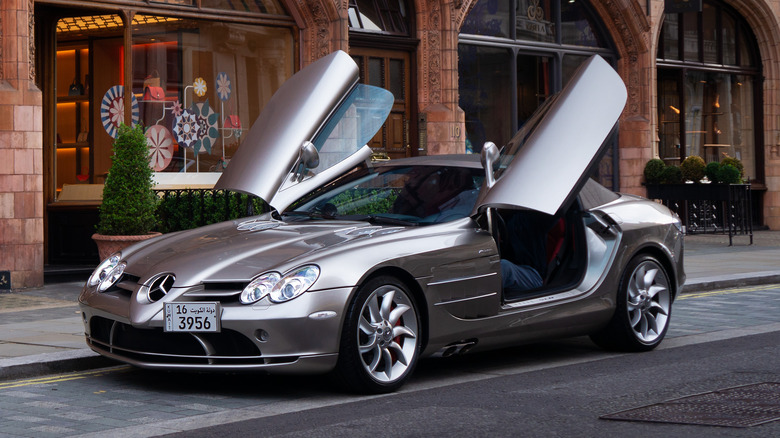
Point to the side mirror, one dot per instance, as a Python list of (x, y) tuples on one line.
[(489, 157), (309, 155), (308, 158)]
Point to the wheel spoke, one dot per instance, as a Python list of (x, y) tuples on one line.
[(639, 278), (368, 347), (399, 353), (642, 326), (365, 326), (388, 362), (651, 322), (649, 277), (403, 331), (375, 361), (635, 315), (395, 315), (373, 309), (654, 290), (661, 309), (387, 305)]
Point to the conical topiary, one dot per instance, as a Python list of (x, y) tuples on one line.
[(129, 203)]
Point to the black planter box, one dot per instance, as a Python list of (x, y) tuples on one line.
[(708, 208)]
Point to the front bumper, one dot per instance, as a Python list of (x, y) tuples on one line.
[(299, 336)]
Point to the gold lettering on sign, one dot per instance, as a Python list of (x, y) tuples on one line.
[(535, 12)]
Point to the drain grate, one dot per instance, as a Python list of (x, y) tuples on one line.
[(743, 406)]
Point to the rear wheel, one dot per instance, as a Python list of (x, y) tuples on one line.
[(380, 342), (644, 308)]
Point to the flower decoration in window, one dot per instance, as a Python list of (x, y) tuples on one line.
[(186, 129), (207, 121), (160, 143), (200, 87), (223, 86), (176, 108), (112, 109)]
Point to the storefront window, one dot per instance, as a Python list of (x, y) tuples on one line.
[(705, 108), (196, 86), (533, 53), (483, 76), (201, 84), (577, 26), (488, 17)]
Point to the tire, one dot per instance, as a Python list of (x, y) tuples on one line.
[(643, 311), (381, 338)]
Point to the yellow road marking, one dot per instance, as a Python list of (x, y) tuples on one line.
[(61, 378), (737, 290)]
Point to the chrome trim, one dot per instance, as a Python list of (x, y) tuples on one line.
[(454, 280), (461, 300)]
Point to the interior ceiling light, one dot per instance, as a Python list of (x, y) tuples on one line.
[(105, 22)]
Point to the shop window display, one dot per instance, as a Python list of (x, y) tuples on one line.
[(707, 104), (196, 86)]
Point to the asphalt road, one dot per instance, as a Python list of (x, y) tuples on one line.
[(717, 340)]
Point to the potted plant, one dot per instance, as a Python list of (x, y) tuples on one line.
[(127, 214)]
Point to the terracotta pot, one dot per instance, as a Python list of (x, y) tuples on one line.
[(108, 245)]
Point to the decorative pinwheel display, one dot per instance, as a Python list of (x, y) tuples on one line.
[(200, 87), (207, 121), (186, 129), (112, 109), (160, 143), (223, 86)]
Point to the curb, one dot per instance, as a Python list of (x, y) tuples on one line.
[(731, 280), (52, 363)]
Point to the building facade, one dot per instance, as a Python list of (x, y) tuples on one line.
[(197, 73)]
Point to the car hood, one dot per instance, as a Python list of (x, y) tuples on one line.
[(317, 120), (546, 163), (237, 251)]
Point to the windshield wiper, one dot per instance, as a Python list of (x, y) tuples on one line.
[(378, 219), (308, 214)]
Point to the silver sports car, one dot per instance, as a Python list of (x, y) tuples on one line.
[(362, 268)]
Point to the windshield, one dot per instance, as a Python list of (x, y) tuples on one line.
[(403, 195)]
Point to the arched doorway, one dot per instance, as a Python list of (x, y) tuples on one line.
[(381, 43)]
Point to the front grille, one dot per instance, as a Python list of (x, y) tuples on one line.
[(157, 346)]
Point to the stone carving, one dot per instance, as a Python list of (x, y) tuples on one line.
[(317, 31), (31, 39)]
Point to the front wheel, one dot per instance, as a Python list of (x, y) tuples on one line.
[(381, 339), (644, 307)]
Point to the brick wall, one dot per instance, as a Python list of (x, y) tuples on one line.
[(21, 160)]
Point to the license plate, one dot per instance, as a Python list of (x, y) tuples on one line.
[(192, 317)]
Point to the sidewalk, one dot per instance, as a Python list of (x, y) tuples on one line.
[(41, 330)]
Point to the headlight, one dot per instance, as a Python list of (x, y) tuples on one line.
[(280, 289), (259, 287), (112, 277), (104, 269), (294, 284)]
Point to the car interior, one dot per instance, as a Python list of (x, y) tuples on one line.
[(563, 239)]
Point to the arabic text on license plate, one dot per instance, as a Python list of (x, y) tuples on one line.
[(192, 317)]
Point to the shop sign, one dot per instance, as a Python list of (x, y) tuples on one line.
[(681, 6)]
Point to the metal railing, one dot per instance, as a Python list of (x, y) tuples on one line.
[(709, 208)]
